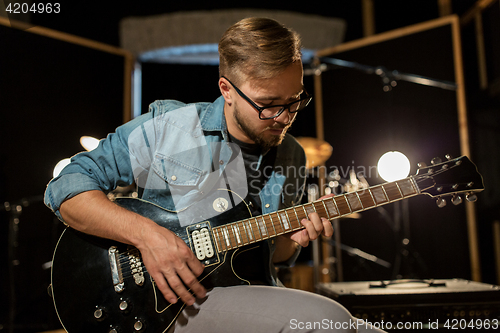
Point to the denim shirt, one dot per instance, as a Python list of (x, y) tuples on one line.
[(175, 153)]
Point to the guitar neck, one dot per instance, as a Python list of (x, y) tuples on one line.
[(254, 229)]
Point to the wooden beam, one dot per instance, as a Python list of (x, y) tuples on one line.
[(385, 36), (368, 17), (470, 208), (444, 7), (477, 8), (481, 52)]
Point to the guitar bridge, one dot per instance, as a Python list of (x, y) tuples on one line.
[(116, 270)]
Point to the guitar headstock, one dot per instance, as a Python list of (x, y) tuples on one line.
[(453, 177)]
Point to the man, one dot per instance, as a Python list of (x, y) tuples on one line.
[(179, 154)]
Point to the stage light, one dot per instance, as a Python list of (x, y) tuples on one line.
[(89, 143), (59, 166), (393, 166)]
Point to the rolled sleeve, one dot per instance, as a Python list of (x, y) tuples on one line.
[(65, 187), (104, 168)]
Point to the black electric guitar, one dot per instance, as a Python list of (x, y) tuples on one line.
[(99, 285)]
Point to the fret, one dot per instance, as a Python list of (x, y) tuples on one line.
[(215, 236), (385, 193), (252, 233), (353, 201), (226, 237), (397, 185), (236, 232), (223, 241), (261, 227), (366, 199), (406, 187), (290, 219), (319, 208), (414, 185), (348, 204), (296, 215), (219, 239), (373, 198), (380, 195), (269, 223), (259, 236), (326, 210), (305, 211), (243, 234), (272, 224), (309, 210), (280, 224), (342, 205), (392, 191), (360, 202), (249, 235), (256, 236), (232, 235), (284, 220), (332, 207)]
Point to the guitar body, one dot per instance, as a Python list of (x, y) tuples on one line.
[(83, 286)]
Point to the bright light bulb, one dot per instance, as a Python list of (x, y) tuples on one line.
[(59, 166), (89, 143), (393, 166)]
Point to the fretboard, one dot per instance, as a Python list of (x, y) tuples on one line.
[(255, 229)]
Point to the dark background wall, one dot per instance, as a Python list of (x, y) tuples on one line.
[(52, 92)]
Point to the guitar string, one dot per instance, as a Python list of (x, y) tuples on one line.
[(125, 256)]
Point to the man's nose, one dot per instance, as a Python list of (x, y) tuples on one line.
[(285, 117)]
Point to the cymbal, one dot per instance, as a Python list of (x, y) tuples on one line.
[(317, 151)]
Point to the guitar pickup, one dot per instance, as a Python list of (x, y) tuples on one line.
[(202, 243)]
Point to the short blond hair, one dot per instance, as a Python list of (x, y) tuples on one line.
[(257, 48)]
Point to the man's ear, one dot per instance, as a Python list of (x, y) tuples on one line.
[(225, 88)]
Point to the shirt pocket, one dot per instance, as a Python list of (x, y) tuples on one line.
[(176, 172)]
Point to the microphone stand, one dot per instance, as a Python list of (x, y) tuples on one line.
[(389, 78)]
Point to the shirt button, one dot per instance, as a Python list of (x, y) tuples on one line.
[(221, 162), (173, 177), (268, 205)]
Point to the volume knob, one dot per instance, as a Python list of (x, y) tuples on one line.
[(98, 313), (124, 305), (138, 325)]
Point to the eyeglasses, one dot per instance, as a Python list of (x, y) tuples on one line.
[(273, 111)]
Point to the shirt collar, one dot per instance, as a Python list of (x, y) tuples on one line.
[(213, 118)]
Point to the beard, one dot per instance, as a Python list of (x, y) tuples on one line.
[(259, 137)]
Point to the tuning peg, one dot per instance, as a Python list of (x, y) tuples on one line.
[(456, 200), (421, 165), (471, 197), (448, 157), (436, 160), (440, 202)]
